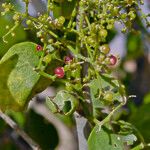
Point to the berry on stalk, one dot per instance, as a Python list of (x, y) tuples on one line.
[(105, 49), (59, 72), (39, 48), (113, 60), (108, 97)]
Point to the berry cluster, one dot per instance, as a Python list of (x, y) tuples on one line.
[(59, 71), (81, 30)]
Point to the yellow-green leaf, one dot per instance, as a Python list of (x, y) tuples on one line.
[(19, 82)]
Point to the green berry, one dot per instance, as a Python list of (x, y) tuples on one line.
[(108, 96), (132, 15), (123, 16), (103, 33), (61, 20), (28, 22), (47, 59), (105, 49)]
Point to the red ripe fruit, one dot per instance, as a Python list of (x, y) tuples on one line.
[(68, 59), (39, 48), (59, 72), (113, 60)]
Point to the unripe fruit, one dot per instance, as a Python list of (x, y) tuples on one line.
[(47, 58), (28, 22), (59, 72), (132, 15), (105, 49), (42, 40), (108, 96), (91, 40), (112, 60), (110, 26), (7, 27), (13, 34), (103, 33), (123, 16), (39, 48), (50, 41), (61, 20)]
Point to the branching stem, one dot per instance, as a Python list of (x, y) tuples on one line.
[(10, 31), (107, 119), (19, 131)]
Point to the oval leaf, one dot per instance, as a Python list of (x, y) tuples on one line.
[(104, 140), (18, 78), (64, 103)]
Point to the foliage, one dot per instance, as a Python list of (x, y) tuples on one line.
[(75, 53)]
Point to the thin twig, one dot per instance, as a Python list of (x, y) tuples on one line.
[(19, 131), (10, 31), (107, 119)]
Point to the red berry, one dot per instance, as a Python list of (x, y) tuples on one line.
[(68, 59), (59, 72), (39, 48), (113, 60)]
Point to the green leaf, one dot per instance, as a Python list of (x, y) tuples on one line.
[(51, 105), (94, 89), (63, 102), (19, 82), (134, 45), (141, 120), (147, 99), (139, 147), (102, 84), (104, 140)]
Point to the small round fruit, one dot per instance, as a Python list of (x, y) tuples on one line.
[(103, 33), (105, 49), (132, 15), (108, 96), (61, 20), (39, 48), (91, 40), (28, 22), (59, 72), (113, 60), (68, 59), (47, 58)]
